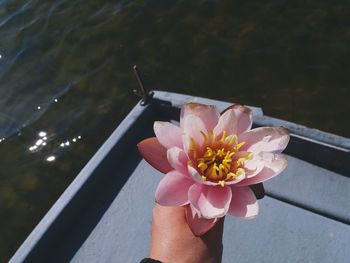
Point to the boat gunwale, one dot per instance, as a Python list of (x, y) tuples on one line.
[(172, 100)]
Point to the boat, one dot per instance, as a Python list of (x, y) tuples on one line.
[(105, 213)]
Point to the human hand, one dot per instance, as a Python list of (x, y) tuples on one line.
[(173, 241)]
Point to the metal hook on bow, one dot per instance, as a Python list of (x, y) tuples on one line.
[(142, 92)]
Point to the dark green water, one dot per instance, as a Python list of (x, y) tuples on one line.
[(65, 69)]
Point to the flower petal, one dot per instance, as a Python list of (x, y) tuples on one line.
[(192, 127), (267, 139), (187, 145), (254, 166), (173, 189), (238, 179), (274, 165), (178, 159), (243, 203), (198, 226), (168, 134), (210, 201), (209, 114), (227, 122), (244, 118), (155, 154), (197, 177)]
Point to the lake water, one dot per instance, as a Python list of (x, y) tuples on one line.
[(66, 78)]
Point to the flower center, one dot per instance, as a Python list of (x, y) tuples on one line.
[(220, 160)]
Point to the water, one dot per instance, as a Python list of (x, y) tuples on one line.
[(65, 69)]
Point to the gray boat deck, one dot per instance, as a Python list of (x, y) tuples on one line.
[(104, 215)]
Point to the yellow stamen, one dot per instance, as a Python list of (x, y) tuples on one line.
[(204, 137), (212, 136), (239, 171), (193, 148), (231, 175), (233, 140), (221, 152), (220, 160), (250, 156), (223, 138), (239, 145), (202, 166)]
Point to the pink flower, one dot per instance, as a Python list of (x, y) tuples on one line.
[(210, 160)]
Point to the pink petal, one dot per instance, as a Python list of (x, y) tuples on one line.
[(274, 165), (155, 154), (241, 177), (267, 139), (244, 117), (243, 203), (209, 114), (187, 145), (168, 134), (193, 126), (178, 159), (210, 201), (173, 189), (254, 166), (227, 122), (198, 226), (197, 177)]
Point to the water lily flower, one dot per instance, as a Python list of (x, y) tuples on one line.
[(210, 160)]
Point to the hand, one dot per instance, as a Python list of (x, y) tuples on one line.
[(173, 241)]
